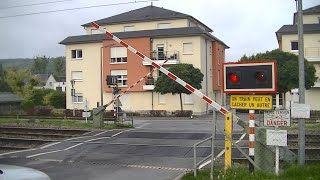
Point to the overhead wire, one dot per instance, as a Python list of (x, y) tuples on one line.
[(33, 4), (71, 9)]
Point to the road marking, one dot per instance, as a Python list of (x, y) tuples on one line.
[(103, 132), (49, 145), (144, 124), (18, 151), (96, 139), (121, 132), (72, 146), (39, 154)]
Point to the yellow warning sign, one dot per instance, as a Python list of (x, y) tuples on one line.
[(251, 102)]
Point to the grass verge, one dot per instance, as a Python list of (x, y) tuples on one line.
[(307, 172), (59, 123)]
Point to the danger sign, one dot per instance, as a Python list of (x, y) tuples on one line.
[(277, 118)]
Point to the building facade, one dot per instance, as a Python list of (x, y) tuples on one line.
[(287, 37), (160, 34)]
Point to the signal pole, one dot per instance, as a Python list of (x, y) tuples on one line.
[(301, 125)]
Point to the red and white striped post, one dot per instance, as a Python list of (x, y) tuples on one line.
[(251, 139)]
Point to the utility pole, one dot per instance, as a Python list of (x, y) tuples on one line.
[(301, 125)]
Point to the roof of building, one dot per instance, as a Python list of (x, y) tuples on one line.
[(185, 31), (148, 13), (309, 11), (292, 29), (42, 77), (6, 97), (312, 10)]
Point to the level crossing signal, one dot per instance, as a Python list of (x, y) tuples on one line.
[(249, 78)]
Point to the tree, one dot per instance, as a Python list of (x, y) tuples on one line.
[(4, 87), (287, 69), (20, 81), (59, 67), (186, 72), (39, 65)]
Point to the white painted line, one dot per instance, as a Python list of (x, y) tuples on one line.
[(49, 145), (72, 146), (39, 154), (51, 160), (13, 152), (102, 132), (121, 132), (96, 139), (144, 124), (76, 138)]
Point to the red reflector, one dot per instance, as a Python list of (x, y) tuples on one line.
[(233, 78)]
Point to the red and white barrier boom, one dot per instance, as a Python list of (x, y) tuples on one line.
[(163, 70)]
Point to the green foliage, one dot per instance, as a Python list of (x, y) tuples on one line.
[(287, 69), (20, 81), (58, 112), (56, 99), (27, 63), (59, 67), (39, 65), (292, 172), (186, 72), (27, 104), (4, 87), (59, 123), (37, 95)]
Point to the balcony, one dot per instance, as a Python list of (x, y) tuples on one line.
[(149, 84), (317, 83), (161, 57), (312, 54)]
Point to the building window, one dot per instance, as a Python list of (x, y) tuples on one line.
[(76, 54), (164, 25), (219, 78), (128, 28), (162, 98), (294, 45), (218, 56), (187, 48), (118, 55), (160, 52), (188, 99), (76, 75), (50, 83), (121, 77), (77, 98)]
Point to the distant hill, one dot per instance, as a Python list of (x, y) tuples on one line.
[(19, 63), (24, 63)]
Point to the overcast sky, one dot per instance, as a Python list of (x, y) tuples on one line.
[(247, 26)]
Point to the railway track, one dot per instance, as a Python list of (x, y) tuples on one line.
[(19, 138)]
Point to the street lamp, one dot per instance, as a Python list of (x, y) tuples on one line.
[(101, 79)]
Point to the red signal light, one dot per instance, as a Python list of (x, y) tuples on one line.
[(260, 76), (233, 78)]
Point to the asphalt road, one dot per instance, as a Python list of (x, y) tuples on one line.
[(155, 149)]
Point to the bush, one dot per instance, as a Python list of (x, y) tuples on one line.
[(43, 111), (57, 112), (56, 99), (158, 113), (37, 95), (28, 106), (184, 113)]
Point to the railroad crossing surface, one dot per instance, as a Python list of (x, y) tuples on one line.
[(154, 149)]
